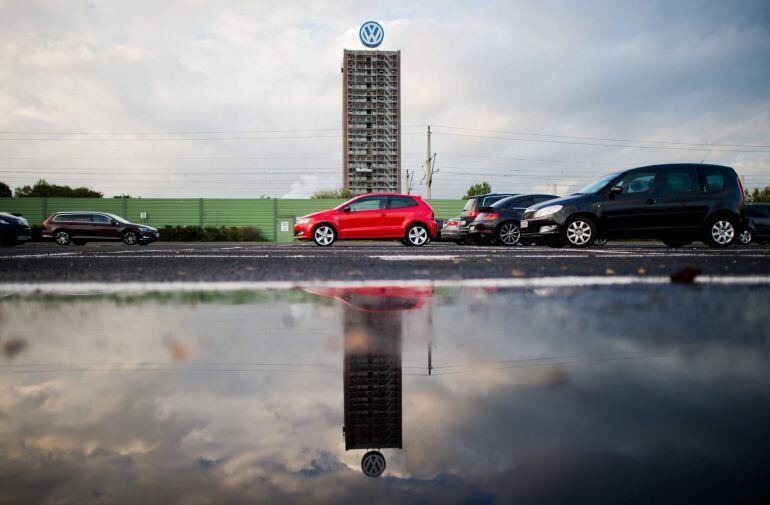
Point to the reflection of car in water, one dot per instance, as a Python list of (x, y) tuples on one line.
[(372, 367)]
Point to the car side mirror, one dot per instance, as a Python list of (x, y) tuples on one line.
[(114, 223), (615, 190), (346, 210)]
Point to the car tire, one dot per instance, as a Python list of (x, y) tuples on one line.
[(417, 235), (130, 238), (324, 235), (62, 237), (508, 234), (580, 232), (78, 241), (677, 243), (745, 237), (721, 231)]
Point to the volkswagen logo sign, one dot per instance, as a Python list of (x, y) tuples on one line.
[(371, 34), (373, 464)]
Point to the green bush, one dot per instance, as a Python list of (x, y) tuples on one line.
[(211, 234)]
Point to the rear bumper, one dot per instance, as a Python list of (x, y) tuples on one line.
[(15, 234)]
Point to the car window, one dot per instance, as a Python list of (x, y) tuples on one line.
[(73, 218), (714, 179), (524, 202), (401, 202), (370, 203), (470, 204), (680, 180), (100, 219), (489, 200), (544, 198), (636, 182)]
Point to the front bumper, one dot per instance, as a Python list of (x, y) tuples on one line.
[(302, 231), (148, 236), (543, 227)]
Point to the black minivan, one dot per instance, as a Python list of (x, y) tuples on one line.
[(676, 203)]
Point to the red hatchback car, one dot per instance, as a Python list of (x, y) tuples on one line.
[(368, 217)]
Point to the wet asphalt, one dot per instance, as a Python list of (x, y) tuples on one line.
[(353, 261)]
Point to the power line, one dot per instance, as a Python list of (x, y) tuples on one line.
[(668, 148), (607, 139)]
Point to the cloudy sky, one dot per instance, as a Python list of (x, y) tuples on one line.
[(242, 99)]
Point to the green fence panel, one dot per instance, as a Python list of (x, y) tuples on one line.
[(30, 208), (257, 213), (112, 205), (445, 209), (301, 207), (164, 211)]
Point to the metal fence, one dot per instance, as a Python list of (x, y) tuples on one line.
[(274, 217)]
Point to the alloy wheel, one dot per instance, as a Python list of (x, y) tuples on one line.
[(579, 232), (418, 235), (62, 238), (129, 238), (509, 234), (324, 235), (722, 232), (745, 237)]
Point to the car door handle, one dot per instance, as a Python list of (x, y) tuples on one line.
[(650, 201)]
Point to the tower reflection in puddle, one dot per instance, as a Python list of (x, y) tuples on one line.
[(372, 374)]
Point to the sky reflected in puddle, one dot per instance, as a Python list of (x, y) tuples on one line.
[(471, 395)]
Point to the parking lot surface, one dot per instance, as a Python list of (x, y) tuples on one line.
[(164, 262)]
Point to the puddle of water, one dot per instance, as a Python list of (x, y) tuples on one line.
[(470, 395)]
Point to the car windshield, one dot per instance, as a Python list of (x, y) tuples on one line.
[(470, 204), (346, 204), (118, 219), (596, 185)]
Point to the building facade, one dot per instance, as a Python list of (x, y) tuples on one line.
[(371, 121)]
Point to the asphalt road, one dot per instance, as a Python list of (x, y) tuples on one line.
[(351, 261)]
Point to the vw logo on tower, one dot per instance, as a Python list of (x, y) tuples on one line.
[(371, 34)]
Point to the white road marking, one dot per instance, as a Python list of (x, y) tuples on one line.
[(416, 257), (68, 288)]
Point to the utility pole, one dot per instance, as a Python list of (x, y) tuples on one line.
[(408, 183), (428, 166)]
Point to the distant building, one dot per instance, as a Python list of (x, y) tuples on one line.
[(371, 121)]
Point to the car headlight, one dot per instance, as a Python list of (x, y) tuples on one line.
[(24, 221), (547, 211), (303, 220), (145, 229)]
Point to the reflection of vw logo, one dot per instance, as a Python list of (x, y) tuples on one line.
[(371, 34), (373, 464)]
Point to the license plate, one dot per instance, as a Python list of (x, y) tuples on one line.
[(22, 238), (524, 224)]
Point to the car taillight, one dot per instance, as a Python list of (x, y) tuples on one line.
[(472, 214), (743, 193), (491, 216), (452, 223)]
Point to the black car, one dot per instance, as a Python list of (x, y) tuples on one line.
[(500, 221), (14, 230), (756, 224), (471, 210), (676, 203)]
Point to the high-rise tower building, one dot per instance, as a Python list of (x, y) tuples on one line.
[(371, 121)]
